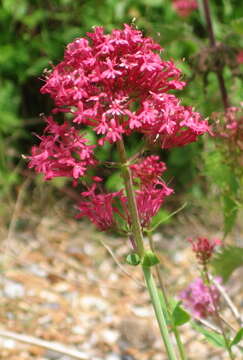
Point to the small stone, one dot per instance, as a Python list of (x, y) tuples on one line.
[(13, 289), (92, 302), (110, 336), (112, 357)]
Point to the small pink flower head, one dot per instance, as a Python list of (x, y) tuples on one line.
[(184, 7), (229, 125), (149, 200), (199, 299), (204, 248), (149, 170), (152, 189)]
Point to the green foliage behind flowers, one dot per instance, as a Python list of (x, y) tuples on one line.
[(35, 33)]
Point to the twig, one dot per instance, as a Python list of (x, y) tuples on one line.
[(209, 325), (212, 40), (17, 207), (229, 302), (140, 284), (62, 349)]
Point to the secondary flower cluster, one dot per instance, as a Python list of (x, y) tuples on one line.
[(184, 7), (204, 248), (229, 125), (200, 299), (61, 152), (103, 209), (114, 84)]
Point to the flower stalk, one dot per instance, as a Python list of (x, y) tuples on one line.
[(166, 304), (137, 232)]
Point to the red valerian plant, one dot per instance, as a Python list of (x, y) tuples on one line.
[(116, 85)]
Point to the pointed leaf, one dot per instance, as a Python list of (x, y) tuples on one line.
[(179, 315), (211, 336), (238, 337)]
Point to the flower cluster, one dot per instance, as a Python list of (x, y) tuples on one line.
[(102, 209), (229, 126), (200, 299), (184, 7), (114, 84), (61, 152), (204, 248), (118, 84)]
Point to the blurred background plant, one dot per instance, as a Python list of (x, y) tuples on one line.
[(34, 34)]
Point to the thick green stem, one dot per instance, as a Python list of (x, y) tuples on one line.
[(138, 236), (153, 292), (166, 304)]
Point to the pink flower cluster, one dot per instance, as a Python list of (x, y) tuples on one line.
[(115, 84), (200, 299), (184, 7), (103, 209), (204, 248), (230, 125), (61, 152)]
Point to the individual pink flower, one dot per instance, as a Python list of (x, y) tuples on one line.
[(61, 152), (200, 299), (204, 248), (100, 80), (184, 7)]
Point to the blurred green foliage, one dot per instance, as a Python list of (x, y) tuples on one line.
[(34, 34)]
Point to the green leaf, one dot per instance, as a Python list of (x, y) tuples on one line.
[(152, 3), (179, 315), (230, 213), (227, 261), (133, 259), (150, 259), (237, 25), (211, 336), (238, 337)]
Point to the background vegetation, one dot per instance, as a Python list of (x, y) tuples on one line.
[(34, 34)]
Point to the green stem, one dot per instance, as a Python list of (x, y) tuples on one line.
[(138, 235), (154, 295), (166, 304), (127, 177)]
